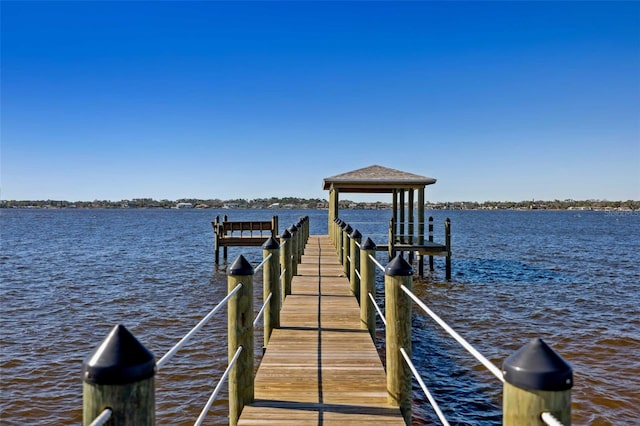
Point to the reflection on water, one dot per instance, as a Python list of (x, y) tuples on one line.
[(69, 276)]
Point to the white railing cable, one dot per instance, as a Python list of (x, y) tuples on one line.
[(264, 305), (266, 259), (195, 329), (375, 305), (433, 402), (102, 418), (375, 261), (213, 396), (550, 420), (358, 275), (484, 361)]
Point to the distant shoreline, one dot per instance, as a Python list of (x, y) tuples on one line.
[(315, 204)]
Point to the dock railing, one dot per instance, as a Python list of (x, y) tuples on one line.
[(119, 375), (536, 381)]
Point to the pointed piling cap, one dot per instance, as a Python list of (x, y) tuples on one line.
[(536, 366), (343, 224), (292, 229), (240, 266), (285, 234), (355, 234), (398, 266), (348, 229), (368, 244), (119, 360), (271, 244)]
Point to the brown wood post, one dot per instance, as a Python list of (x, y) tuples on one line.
[(216, 238), (294, 249), (356, 237), (411, 223), (398, 333), (537, 380), (402, 217), (340, 240), (392, 238), (274, 226), (285, 263), (347, 250), (367, 285), (271, 286), (224, 249), (240, 333), (119, 374), (431, 268), (447, 237), (421, 230)]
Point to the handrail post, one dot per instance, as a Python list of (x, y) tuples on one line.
[(240, 333), (447, 237), (301, 241), (285, 263), (398, 333), (536, 380), (119, 374), (340, 239), (356, 237), (392, 237), (293, 230), (271, 286), (346, 250), (431, 268), (367, 285)]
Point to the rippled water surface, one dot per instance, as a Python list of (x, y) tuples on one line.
[(68, 276)]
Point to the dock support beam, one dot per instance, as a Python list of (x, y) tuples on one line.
[(398, 333), (356, 237), (271, 286), (240, 333), (285, 263), (367, 285)]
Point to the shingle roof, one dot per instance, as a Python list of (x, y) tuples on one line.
[(376, 179)]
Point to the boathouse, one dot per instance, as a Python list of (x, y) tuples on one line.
[(403, 186)]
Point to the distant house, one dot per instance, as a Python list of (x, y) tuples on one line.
[(184, 206)]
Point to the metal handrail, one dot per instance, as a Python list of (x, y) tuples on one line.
[(213, 396), (484, 361), (195, 329), (264, 305), (375, 305), (375, 261), (550, 420), (266, 259), (102, 418), (433, 402)]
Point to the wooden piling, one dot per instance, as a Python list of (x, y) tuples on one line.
[(240, 333), (398, 333), (447, 237), (354, 250), (346, 253), (537, 380), (294, 249), (271, 286), (119, 374), (421, 230), (431, 268), (367, 285), (285, 263)]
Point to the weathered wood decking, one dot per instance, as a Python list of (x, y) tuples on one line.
[(320, 367)]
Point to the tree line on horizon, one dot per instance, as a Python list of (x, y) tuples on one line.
[(316, 203)]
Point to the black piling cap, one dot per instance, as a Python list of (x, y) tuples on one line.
[(356, 234), (343, 224), (536, 366), (368, 244), (292, 229), (119, 360), (398, 266), (285, 234), (240, 266), (271, 244), (348, 229)]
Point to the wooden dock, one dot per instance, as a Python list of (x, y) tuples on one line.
[(321, 366)]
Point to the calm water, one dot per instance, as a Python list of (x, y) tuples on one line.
[(68, 276)]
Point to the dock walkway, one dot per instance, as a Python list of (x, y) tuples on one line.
[(320, 366)]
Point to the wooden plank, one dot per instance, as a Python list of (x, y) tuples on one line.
[(320, 366)]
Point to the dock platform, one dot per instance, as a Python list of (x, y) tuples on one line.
[(321, 366)]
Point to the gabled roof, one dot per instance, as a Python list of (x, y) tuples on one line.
[(376, 179)]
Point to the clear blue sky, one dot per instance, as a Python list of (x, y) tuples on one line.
[(497, 100)]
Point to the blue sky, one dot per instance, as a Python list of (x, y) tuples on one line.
[(497, 100)]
